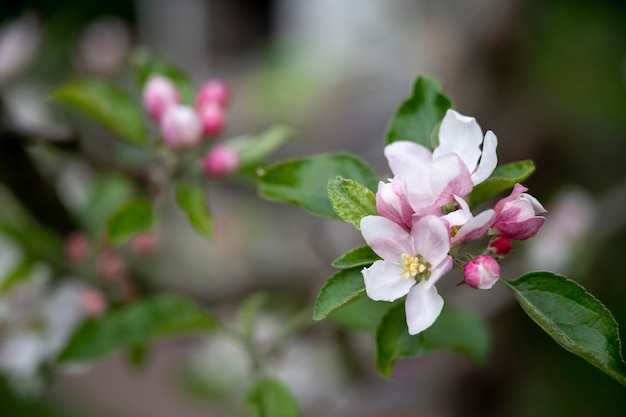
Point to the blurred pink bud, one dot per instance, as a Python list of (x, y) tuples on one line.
[(180, 127), (214, 91), (77, 247), (481, 272), (212, 118), (159, 93), (93, 302), (500, 245), (111, 264), (220, 161), (516, 215), (144, 243)]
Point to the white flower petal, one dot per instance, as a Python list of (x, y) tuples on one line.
[(460, 135), (408, 158), (384, 281), (423, 306), (386, 238), (448, 177), (431, 239), (488, 160), (475, 228), (438, 271)]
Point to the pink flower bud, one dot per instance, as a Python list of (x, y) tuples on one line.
[(180, 127), (93, 302), (159, 93), (481, 272), (500, 245), (214, 91), (144, 243), (77, 247), (516, 215), (111, 264), (220, 161), (212, 118)]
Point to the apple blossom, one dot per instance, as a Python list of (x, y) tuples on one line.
[(411, 264), (213, 91), (500, 245), (180, 127), (212, 118), (391, 202), (516, 215), (220, 160), (481, 272), (159, 93)]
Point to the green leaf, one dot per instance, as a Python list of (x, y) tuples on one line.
[(192, 200), (19, 273), (454, 329), (420, 114), (135, 324), (503, 178), (253, 149), (269, 397), (575, 319), (108, 105), (106, 195), (361, 256), (130, 219), (248, 312), (304, 182), (342, 288), (350, 200), (363, 314), (148, 66)]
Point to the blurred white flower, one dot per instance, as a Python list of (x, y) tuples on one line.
[(19, 41)]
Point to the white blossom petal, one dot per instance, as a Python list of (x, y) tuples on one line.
[(408, 158), (422, 306), (431, 239), (448, 177), (384, 281), (460, 135), (438, 271), (475, 228), (488, 160), (386, 238)]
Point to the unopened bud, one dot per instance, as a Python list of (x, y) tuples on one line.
[(180, 127), (220, 161), (77, 247), (159, 93), (500, 245), (144, 244), (93, 302), (481, 272), (212, 118), (214, 91)]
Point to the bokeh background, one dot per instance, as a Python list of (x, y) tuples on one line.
[(549, 78)]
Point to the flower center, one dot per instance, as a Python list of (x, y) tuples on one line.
[(413, 266), (454, 230)]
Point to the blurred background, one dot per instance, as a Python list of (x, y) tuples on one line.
[(549, 78)]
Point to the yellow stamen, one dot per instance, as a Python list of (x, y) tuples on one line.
[(454, 230), (412, 266)]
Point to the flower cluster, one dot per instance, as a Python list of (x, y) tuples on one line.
[(183, 127), (423, 218)]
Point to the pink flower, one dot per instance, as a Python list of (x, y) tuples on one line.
[(214, 91), (212, 118), (516, 215), (220, 161), (180, 127), (481, 272), (465, 226), (159, 93), (144, 244), (93, 302), (411, 265)]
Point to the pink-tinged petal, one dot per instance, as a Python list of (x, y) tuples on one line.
[(488, 159), (534, 203), (406, 212), (422, 307), (431, 238), (475, 228), (386, 238), (520, 230), (384, 281), (518, 189), (438, 271), (460, 135), (449, 177), (517, 210), (388, 203), (408, 158)]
